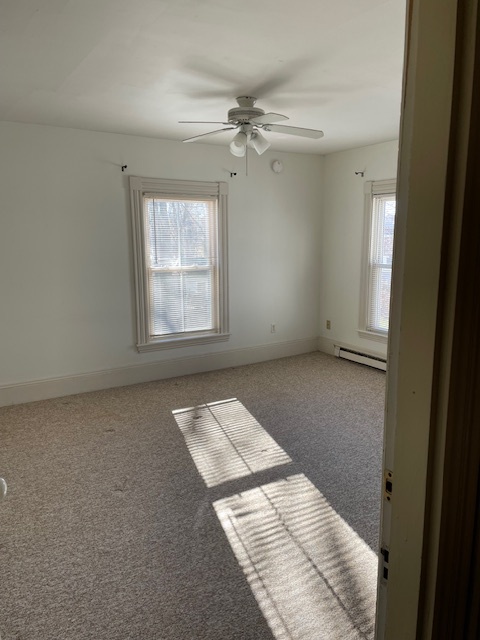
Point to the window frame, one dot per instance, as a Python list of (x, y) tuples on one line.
[(371, 189), (176, 189)]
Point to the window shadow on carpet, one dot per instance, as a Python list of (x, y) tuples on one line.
[(312, 576), (226, 442)]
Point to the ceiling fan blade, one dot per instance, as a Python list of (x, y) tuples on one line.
[(206, 135), (267, 118), (294, 131), (201, 122)]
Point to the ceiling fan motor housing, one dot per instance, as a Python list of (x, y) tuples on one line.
[(245, 111), (244, 115)]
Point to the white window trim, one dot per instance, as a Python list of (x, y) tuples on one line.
[(139, 187), (371, 188)]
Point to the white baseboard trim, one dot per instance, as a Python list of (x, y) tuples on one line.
[(134, 374)]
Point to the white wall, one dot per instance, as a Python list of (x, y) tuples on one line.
[(66, 288), (342, 240)]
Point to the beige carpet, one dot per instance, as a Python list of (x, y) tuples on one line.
[(110, 530)]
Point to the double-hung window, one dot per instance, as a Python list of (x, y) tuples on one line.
[(180, 246), (380, 204)]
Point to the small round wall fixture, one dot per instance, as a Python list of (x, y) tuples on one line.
[(277, 166)]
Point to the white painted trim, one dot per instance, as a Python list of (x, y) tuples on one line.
[(371, 335), (371, 189), (433, 126), (134, 374), (382, 187), (148, 187), (182, 341)]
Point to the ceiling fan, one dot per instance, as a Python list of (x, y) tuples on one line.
[(249, 119)]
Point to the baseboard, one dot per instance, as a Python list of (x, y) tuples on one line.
[(94, 381)]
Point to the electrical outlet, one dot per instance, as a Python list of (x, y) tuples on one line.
[(273, 328), (329, 324)]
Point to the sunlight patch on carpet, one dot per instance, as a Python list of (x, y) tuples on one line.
[(226, 442), (313, 577)]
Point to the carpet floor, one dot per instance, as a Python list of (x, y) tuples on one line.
[(127, 518)]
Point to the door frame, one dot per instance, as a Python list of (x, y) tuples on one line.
[(432, 319)]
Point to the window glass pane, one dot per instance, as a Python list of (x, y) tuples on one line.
[(181, 302), (380, 308), (179, 232), (388, 229), (166, 309), (197, 295), (381, 256), (181, 247), (163, 234), (195, 233)]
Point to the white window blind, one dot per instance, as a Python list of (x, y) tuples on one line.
[(182, 265), (380, 260)]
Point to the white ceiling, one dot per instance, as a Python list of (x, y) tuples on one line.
[(139, 66)]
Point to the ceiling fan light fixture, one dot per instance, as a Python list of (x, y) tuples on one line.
[(259, 142), (238, 146)]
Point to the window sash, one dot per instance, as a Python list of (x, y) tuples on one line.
[(183, 290), (380, 261), (378, 313)]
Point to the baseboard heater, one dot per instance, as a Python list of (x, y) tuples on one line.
[(363, 358)]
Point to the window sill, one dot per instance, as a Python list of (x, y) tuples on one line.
[(371, 335), (176, 343)]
